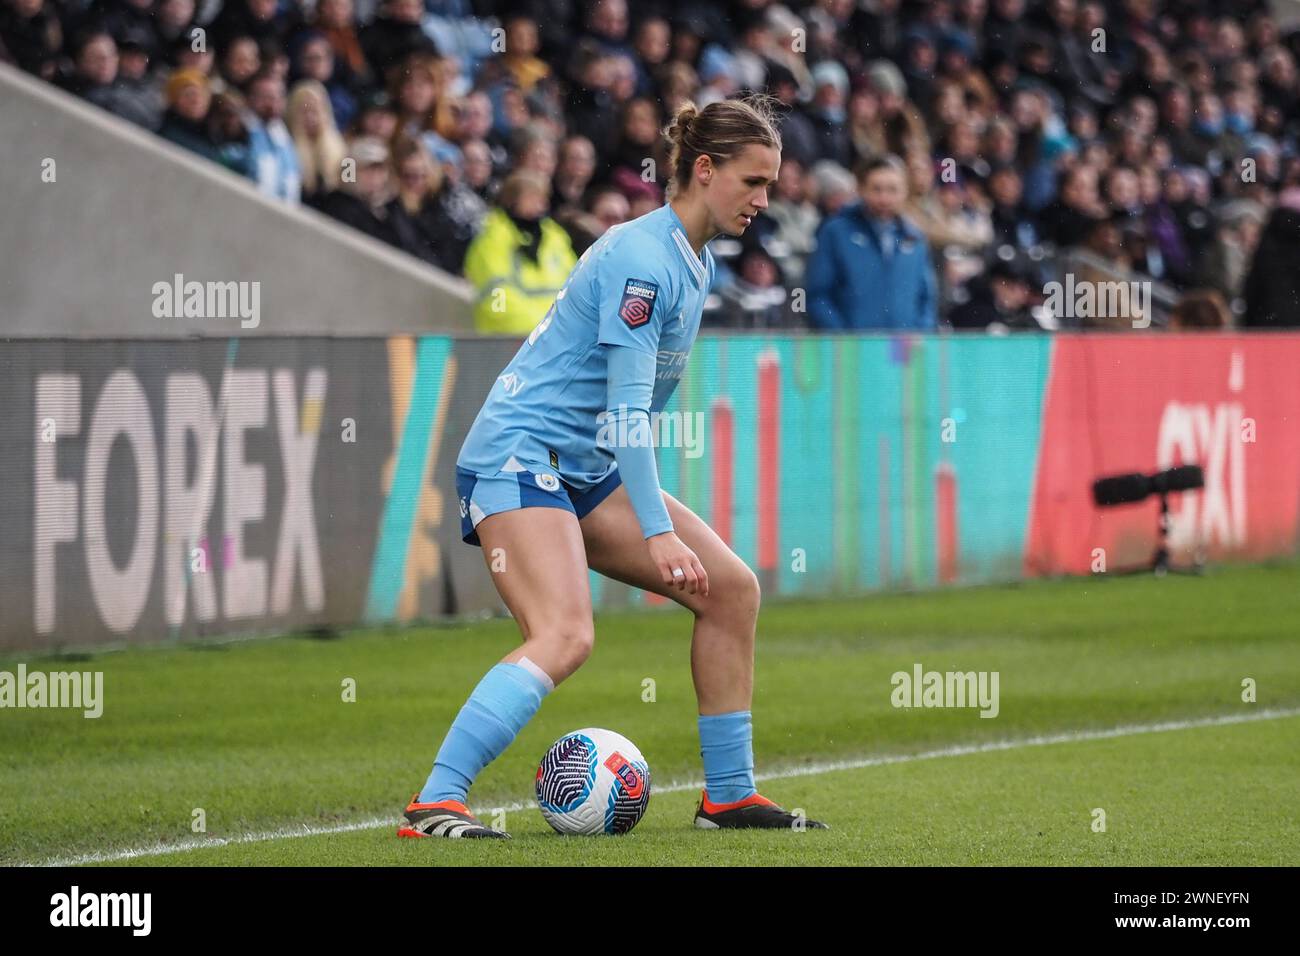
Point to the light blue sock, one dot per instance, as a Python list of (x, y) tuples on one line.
[(504, 700), (727, 746)]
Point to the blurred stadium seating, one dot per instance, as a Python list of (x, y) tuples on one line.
[(1158, 137)]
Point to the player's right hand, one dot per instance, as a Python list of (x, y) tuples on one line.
[(669, 553)]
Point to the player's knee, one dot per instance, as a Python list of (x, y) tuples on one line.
[(734, 593), (571, 642)]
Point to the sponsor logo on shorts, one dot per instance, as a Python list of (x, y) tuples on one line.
[(547, 482)]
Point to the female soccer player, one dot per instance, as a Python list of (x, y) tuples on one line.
[(546, 493)]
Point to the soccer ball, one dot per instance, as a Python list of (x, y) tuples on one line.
[(593, 781)]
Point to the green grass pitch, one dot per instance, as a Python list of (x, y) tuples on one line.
[(1119, 694)]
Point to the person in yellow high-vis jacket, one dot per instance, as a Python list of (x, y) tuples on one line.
[(519, 260)]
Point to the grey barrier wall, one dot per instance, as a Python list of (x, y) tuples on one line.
[(98, 218)]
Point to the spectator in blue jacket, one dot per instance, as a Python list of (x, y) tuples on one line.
[(273, 155), (871, 268)]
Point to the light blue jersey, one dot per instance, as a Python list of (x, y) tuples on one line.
[(640, 285)]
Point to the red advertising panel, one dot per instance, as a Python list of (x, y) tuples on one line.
[(1228, 403)]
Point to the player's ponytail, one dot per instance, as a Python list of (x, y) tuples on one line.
[(720, 131), (677, 129)]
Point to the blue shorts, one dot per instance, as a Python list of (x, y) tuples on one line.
[(483, 495)]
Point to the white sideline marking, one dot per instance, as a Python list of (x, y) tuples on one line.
[(374, 823)]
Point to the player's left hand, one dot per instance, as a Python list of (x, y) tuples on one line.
[(670, 554)]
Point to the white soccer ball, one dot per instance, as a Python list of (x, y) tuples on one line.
[(593, 781)]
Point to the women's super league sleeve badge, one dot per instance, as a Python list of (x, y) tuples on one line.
[(638, 302)]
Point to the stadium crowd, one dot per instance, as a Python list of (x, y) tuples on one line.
[(942, 159)]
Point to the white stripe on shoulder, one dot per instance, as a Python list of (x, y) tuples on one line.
[(692, 260)]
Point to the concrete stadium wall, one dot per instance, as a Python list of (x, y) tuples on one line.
[(80, 256), (158, 490)]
